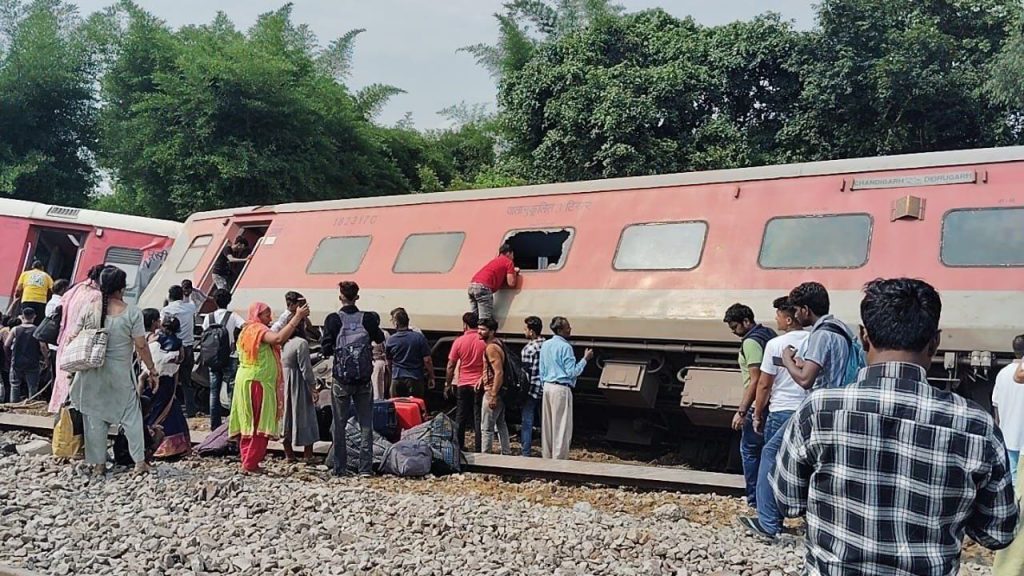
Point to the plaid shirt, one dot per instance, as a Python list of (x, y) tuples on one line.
[(531, 363), (891, 473)]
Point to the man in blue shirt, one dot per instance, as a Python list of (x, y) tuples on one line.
[(412, 369), (559, 370)]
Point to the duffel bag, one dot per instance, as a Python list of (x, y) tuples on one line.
[(408, 458)]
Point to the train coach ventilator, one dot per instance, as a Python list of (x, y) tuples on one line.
[(711, 396)]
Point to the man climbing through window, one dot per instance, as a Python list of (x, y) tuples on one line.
[(498, 273)]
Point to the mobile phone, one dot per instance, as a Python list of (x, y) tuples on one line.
[(302, 302)]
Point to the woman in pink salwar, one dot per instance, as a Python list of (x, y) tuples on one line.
[(81, 297)]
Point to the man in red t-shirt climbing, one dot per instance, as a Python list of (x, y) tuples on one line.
[(498, 273)]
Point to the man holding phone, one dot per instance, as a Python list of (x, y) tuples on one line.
[(292, 302)]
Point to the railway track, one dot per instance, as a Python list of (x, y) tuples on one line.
[(570, 471)]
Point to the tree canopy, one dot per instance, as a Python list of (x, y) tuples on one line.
[(209, 116)]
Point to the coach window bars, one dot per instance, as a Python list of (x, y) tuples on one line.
[(194, 253), (429, 253), (983, 238), (338, 255), (661, 246), (808, 242), (540, 248)]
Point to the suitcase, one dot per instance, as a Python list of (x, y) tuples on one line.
[(409, 411), (385, 421)]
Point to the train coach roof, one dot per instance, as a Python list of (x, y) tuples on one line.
[(823, 168), (81, 216)]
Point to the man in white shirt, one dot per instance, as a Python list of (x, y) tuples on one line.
[(59, 288), (185, 312), (779, 395), (193, 294), (1008, 405), (291, 304), (233, 323)]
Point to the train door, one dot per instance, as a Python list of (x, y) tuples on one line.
[(254, 233), (59, 249)]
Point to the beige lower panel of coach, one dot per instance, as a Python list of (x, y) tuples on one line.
[(970, 320)]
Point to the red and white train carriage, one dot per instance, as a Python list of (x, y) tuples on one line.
[(645, 267), (69, 241)]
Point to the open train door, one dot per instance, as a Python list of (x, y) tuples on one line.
[(58, 248), (254, 232)]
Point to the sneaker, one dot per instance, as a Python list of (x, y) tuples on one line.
[(754, 527), (343, 474), (366, 474)]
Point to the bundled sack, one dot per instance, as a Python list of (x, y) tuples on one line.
[(353, 438), (408, 458), (439, 433), (68, 433), (217, 443)]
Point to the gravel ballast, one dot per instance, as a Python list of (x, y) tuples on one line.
[(201, 517)]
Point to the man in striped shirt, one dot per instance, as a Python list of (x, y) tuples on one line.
[(890, 470)]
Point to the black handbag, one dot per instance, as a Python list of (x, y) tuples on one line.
[(49, 329)]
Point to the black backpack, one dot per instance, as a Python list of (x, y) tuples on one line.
[(215, 343), (515, 385)]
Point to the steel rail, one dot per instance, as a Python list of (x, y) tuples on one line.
[(569, 471)]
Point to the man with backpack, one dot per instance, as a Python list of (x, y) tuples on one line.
[(347, 336), (754, 336), (27, 356), (493, 407), (217, 350), (831, 356)]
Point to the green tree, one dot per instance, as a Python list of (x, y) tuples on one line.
[(899, 76), (209, 117), (47, 103), (648, 93)]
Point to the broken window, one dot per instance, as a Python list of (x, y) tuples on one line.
[(540, 249)]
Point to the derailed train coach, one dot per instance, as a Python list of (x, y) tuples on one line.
[(69, 241), (645, 267)]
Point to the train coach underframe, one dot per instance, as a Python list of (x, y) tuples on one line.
[(685, 393)]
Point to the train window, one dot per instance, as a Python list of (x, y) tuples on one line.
[(425, 253), (661, 246), (983, 238), (194, 253), (544, 249), (837, 241), (338, 255)]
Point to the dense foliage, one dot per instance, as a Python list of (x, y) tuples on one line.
[(209, 116)]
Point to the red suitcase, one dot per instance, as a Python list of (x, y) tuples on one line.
[(410, 411)]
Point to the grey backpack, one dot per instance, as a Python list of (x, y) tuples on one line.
[(410, 458)]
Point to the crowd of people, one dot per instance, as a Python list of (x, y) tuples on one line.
[(890, 471)]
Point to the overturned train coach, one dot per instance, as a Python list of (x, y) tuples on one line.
[(69, 241), (645, 267)]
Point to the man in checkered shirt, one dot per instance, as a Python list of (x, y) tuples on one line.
[(531, 364), (891, 471)]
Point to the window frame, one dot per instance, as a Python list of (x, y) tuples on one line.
[(326, 238), (191, 245), (565, 251), (867, 251), (700, 256), (942, 236), (454, 260)]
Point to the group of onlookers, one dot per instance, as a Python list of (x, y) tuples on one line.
[(844, 428), (890, 470)]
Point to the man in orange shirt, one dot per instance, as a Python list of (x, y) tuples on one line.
[(467, 356), (494, 276)]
